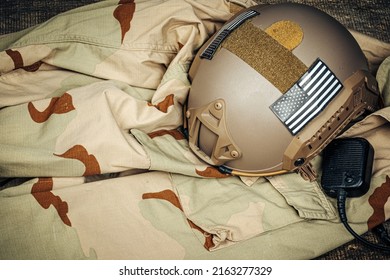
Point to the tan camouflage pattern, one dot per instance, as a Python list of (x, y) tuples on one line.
[(91, 105)]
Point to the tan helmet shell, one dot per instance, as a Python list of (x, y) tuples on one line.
[(236, 86)]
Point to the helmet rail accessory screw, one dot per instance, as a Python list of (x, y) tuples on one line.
[(299, 162), (218, 105), (234, 154)]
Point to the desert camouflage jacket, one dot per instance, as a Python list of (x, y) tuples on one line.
[(91, 106)]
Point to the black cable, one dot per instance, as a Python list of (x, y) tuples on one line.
[(341, 198)]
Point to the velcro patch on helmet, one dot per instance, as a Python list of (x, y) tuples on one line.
[(266, 55), (224, 32), (308, 97), (288, 33)]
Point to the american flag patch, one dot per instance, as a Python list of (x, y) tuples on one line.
[(222, 34), (308, 97)]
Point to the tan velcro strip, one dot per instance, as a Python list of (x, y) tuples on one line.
[(266, 55)]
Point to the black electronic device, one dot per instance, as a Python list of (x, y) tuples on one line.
[(347, 164), (346, 172)]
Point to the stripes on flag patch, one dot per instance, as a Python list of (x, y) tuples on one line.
[(222, 34), (308, 97)]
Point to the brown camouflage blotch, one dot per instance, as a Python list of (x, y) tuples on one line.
[(41, 191), (165, 104), (167, 195), (377, 201), (124, 14), (80, 153), (58, 105), (208, 242), (16, 58), (33, 67), (171, 197), (211, 172), (18, 61), (121, 2), (174, 133)]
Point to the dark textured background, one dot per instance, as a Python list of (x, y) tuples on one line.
[(371, 17)]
